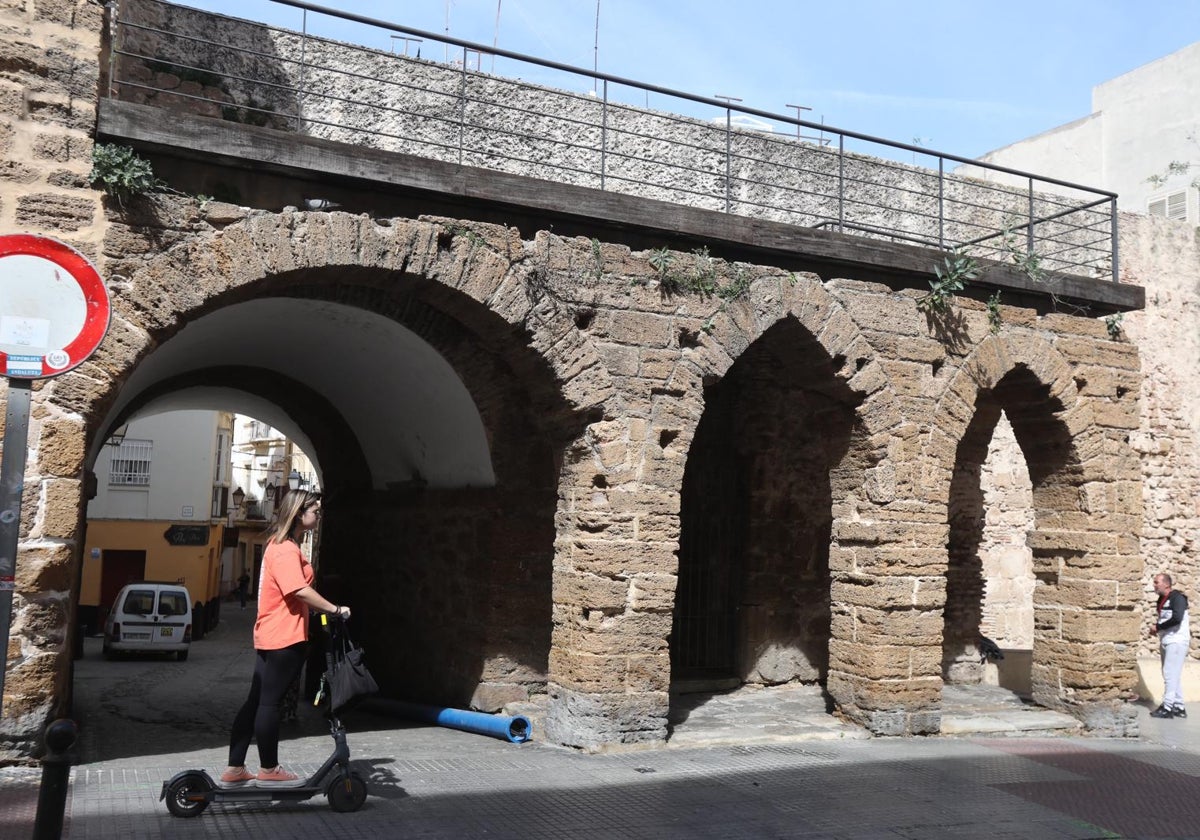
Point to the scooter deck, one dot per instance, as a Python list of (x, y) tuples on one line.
[(251, 792), (264, 785)]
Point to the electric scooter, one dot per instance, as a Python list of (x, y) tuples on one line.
[(189, 792)]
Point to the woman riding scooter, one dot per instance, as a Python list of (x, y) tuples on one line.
[(280, 640)]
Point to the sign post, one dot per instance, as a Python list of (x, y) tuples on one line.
[(54, 311)]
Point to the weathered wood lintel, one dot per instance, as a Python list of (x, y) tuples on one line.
[(827, 252)]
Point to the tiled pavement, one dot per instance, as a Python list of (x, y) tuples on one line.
[(812, 781)]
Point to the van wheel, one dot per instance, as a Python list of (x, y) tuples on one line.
[(181, 655), (108, 653)]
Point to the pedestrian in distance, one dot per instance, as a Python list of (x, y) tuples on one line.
[(1174, 636), (285, 596), (243, 588)]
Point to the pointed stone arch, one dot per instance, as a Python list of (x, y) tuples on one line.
[(866, 475), (1084, 541)]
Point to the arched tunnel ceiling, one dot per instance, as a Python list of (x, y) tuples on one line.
[(408, 408)]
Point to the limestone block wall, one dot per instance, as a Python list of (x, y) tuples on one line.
[(854, 557), (48, 88), (1164, 257)]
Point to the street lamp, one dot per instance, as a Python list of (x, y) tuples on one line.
[(237, 497), (294, 480)]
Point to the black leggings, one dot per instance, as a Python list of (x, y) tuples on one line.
[(274, 672)]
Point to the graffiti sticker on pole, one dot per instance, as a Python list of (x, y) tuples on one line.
[(54, 309)]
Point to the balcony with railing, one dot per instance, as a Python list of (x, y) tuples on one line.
[(454, 115)]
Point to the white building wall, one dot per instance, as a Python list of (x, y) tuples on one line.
[(182, 469), (1141, 121), (263, 457), (1073, 152)]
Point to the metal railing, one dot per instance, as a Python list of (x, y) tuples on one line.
[(180, 58)]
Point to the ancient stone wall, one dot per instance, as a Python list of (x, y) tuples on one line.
[(48, 89), (854, 425), (1163, 257)]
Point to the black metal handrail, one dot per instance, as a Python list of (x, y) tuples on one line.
[(448, 112)]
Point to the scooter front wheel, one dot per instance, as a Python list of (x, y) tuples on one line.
[(347, 793), (185, 796)]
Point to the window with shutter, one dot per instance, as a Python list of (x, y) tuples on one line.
[(1171, 206), (1177, 206)]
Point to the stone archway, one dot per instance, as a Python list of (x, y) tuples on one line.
[(1087, 576), (470, 300), (752, 605), (621, 538)]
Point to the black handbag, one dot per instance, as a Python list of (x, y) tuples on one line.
[(347, 678)]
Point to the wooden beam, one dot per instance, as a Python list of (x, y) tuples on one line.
[(901, 265)]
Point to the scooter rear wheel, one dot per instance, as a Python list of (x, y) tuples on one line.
[(181, 799), (347, 793)]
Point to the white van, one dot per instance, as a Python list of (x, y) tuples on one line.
[(150, 617)]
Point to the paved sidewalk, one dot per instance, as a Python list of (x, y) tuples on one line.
[(427, 782)]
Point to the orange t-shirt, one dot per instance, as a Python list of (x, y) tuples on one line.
[(282, 619)]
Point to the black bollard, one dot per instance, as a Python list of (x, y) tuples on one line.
[(56, 772)]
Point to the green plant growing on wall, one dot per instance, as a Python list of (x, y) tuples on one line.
[(737, 289), (661, 261), (121, 174), (1028, 262), (993, 312), (597, 259), (1112, 323), (952, 276), (702, 278)]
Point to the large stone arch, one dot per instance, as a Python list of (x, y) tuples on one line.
[(467, 289), (1084, 540), (613, 614)]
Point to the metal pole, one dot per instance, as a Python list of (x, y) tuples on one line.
[(1116, 242), (841, 181), (462, 106), (495, 38), (56, 774), (300, 92), (941, 202), (1029, 230), (114, 24), (603, 133), (596, 51), (798, 108), (728, 100), (12, 485), (728, 155)]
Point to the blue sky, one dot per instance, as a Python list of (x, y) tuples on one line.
[(959, 76)]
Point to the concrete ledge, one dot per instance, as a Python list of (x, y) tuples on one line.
[(1150, 683), (1013, 673)]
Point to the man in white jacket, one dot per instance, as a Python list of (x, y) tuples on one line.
[(1174, 636)]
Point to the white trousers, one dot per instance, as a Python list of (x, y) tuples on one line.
[(1172, 669)]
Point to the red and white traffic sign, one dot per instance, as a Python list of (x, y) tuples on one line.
[(54, 309)]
